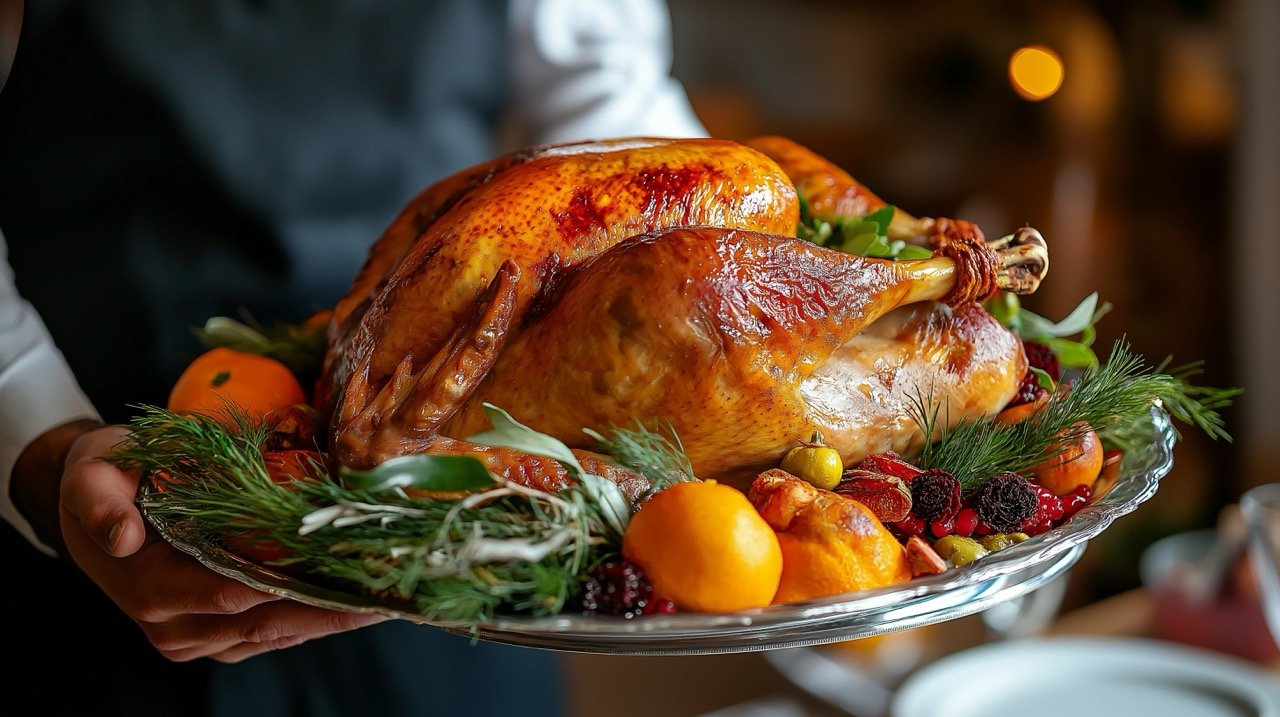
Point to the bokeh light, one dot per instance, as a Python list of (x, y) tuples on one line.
[(1035, 72)]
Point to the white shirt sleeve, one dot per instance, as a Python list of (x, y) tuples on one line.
[(37, 389), (595, 69)]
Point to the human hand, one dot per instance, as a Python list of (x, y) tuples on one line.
[(186, 610)]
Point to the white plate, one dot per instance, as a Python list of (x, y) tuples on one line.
[(1055, 677)]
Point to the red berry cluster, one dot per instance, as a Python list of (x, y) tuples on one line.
[(1053, 510), (1042, 357), (938, 510), (619, 588)]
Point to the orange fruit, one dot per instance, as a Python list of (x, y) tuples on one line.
[(704, 546), (1022, 411), (255, 384), (1078, 464)]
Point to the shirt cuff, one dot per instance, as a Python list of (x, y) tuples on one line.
[(37, 392), (596, 69)]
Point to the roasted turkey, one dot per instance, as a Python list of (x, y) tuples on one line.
[(592, 284)]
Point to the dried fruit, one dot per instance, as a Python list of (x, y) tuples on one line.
[(1006, 501), (935, 495), (1079, 462), (830, 544), (884, 495), (924, 559), (815, 462), (889, 463)]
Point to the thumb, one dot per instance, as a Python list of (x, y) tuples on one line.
[(99, 497)]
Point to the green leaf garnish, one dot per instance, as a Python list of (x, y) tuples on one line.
[(864, 236), (1071, 353), (502, 551), (507, 432), (440, 474), (299, 348), (1043, 379)]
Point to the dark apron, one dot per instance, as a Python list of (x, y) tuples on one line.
[(165, 162)]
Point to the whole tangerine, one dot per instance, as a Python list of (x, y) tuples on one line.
[(704, 546), (221, 378), (1078, 464)]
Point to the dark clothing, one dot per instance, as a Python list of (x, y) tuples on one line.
[(165, 162)]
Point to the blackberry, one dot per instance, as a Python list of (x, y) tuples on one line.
[(1042, 357), (935, 495), (616, 588), (1007, 501)]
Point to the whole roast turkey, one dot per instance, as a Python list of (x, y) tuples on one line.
[(593, 284)]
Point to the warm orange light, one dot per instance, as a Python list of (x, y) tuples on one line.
[(1035, 72)]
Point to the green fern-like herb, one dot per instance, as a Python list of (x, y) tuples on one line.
[(1114, 398), (656, 454), (508, 549)]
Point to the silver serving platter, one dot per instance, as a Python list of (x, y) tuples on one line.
[(1006, 575)]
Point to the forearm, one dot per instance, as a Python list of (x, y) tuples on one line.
[(37, 474), (41, 406)]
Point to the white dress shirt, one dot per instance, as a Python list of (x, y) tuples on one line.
[(582, 69)]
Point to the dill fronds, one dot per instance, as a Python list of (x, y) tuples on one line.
[(506, 550), (656, 454), (1114, 398)]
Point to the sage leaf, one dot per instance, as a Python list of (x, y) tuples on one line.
[(444, 474), (507, 432)]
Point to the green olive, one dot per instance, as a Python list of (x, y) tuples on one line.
[(959, 550), (815, 462), (996, 541)]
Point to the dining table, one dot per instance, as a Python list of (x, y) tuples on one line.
[(835, 680)]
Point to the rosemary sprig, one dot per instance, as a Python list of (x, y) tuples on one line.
[(508, 549), (1113, 398), (656, 454)]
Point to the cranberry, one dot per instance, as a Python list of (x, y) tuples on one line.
[(966, 522), (616, 588), (910, 525), (661, 606), (1054, 508), (1036, 526), (942, 527), (983, 529), (1076, 499)]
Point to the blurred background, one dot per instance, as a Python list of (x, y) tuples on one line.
[(1141, 139), (1144, 148)]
